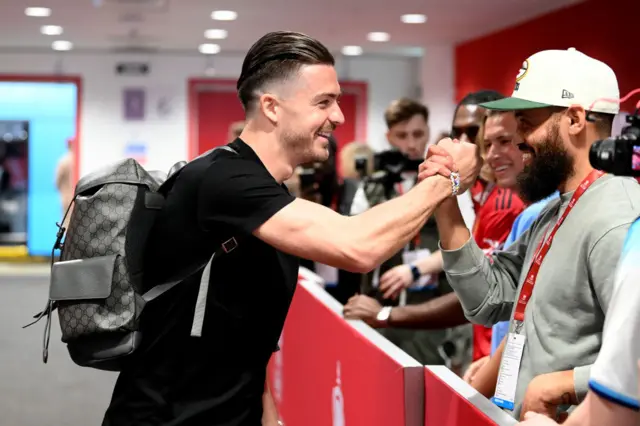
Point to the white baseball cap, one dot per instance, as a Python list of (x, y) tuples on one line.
[(562, 78)]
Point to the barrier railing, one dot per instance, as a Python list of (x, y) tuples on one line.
[(450, 401), (333, 372)]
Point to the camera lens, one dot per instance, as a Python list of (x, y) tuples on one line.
[(602, 154), (618, 156)]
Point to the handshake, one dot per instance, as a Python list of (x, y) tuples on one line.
[(447, 156)]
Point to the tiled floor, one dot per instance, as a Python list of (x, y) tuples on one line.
[(58, 393)]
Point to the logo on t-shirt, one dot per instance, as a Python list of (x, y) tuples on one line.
[(338, 400)]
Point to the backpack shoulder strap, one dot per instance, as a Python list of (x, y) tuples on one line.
[(161, 289), (224, 248), (178, 167)]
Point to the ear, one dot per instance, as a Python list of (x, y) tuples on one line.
[(387, 135), (268, 105), (577, 119)]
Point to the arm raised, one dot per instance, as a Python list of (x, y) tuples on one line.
[(357, 243)]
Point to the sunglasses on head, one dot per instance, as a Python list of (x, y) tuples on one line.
[(471, 132)]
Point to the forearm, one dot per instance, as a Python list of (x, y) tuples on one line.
[(443, 312), (486, 379), (595, 411), (382, 231), (563, 389), (580, 416), (269, 410), (486, 289), (451, 227), (431, 264)]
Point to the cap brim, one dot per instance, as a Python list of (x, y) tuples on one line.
[(512, 104)]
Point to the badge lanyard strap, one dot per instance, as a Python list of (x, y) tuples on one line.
[(416, 239), (544, 245)]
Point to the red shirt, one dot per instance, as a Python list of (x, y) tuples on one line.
[(496, 209)]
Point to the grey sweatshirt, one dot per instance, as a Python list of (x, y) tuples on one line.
[(565, 316)]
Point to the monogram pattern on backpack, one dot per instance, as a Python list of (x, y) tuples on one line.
[(98, 227), (119, 311)]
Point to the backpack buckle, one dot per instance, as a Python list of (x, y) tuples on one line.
[(229, 245)]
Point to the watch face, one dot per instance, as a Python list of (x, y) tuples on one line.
[(383, 315)]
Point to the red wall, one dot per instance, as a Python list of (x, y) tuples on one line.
[(216, 112), (213, 105), (604, 29)]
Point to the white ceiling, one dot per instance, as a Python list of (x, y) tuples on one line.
[(180, 24)]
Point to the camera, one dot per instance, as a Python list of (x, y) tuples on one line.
[(391, 162), (619, 155), (314, 175), (389, 167)]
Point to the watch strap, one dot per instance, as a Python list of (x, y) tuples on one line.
[(415, 272)]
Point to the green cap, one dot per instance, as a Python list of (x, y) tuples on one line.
[(512, 104)]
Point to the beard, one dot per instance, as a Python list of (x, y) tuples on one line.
[(303, 148), (550, 167)]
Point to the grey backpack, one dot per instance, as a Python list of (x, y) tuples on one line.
[(96, 286)]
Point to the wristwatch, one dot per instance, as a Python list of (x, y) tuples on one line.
[(415, 273), (383, 315)]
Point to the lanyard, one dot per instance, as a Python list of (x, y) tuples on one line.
[(543, 247), (416, 239)]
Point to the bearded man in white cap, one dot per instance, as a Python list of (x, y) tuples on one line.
[(555, 282)]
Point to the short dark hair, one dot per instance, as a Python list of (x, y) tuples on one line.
[(275, 57), (477, 98), (603, 123), (480, 97), (402, 110), (495, 112)]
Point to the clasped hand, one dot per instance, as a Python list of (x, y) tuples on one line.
[(452, 156)]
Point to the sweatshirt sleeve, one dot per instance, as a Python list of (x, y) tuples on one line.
[(581, 377), (486, 285)]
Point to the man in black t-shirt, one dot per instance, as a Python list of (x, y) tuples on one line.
[(289, 90)]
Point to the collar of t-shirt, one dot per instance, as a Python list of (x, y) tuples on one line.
[(246, 152)]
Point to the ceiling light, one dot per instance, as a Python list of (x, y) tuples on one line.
[(352, 50), (215, 34), (209, 49), (224, 15), (62, 45), (414, 18), (378, 36), (38, 12), (51, 30)]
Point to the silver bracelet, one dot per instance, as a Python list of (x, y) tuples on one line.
[(455, 183)]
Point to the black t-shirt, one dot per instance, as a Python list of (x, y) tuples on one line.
[(216, 379)]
